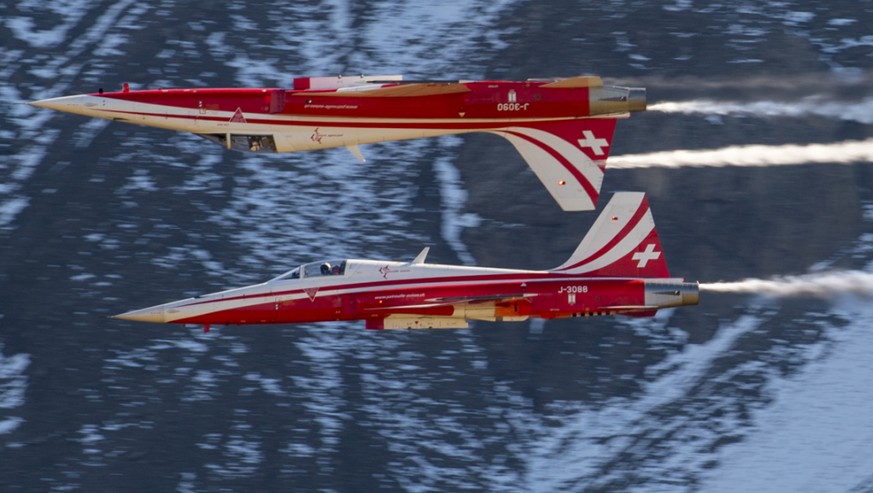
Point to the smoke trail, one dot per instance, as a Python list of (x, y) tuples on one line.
[(859, 111), (821, 285), (846, 152)]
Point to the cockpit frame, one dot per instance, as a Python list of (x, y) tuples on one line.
[(314, 269)]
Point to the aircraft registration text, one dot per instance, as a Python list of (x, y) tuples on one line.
[(512, 106)]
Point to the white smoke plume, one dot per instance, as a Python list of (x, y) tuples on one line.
[(846, 152), (825, 285), (859, 111)]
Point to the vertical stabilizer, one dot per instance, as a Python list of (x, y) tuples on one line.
[(622, 243), (568, 156)]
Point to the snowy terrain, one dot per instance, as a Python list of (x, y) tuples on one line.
[(755, 153)]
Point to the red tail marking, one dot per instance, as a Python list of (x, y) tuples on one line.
[(638, 215), (592, 192)]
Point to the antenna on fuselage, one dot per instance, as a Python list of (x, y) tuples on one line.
[(419, 259)]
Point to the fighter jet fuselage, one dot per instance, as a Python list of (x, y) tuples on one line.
[(562, 128), (618, 269)]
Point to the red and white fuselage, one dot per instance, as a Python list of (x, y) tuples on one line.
[(562, 128), (618, 268)]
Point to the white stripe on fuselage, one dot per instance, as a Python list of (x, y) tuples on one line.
[(133, 109), (300, 132), (211, 303)]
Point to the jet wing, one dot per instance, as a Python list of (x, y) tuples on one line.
[(399, 90), (447, 313), (455, 301), (407, 322), (497, 298)]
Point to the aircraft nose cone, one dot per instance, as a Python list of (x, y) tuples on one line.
[(42, 103), (81, 104), (153, 314)]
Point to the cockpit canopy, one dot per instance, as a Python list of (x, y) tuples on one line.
[(315, 269)]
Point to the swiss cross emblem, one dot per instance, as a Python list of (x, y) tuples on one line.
[(591, 142), (643, 257)]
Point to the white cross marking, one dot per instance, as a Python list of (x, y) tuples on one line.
[(648, 254), (593, 142)]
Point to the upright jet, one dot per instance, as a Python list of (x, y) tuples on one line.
[(617, 269), (562, 128)]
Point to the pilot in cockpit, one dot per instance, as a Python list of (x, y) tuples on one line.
[(325, 269)]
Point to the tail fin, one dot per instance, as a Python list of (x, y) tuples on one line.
[(622, 243), (568, 156)]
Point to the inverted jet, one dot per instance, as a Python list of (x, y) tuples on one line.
[(563, 128)]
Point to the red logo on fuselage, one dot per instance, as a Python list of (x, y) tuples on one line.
[(388, 270), (238, 117), (317, 136)]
